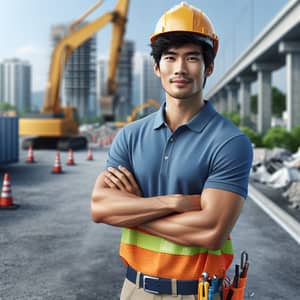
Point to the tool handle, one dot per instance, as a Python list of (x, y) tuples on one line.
[(230, 295), (236, 276), (245, 270)]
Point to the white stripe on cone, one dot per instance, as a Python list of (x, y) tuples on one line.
[(5, 195)]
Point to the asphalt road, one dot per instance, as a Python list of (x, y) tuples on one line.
[(50, 248)]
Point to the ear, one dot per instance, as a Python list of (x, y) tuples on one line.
[(209, 70), (156, 70)]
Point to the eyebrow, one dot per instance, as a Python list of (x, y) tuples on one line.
[(197, 53)]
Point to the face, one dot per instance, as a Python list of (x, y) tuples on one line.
[(182, 72)]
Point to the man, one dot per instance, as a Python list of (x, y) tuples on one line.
[(176, 180)]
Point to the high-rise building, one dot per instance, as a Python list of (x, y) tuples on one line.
[(15, 83), (147, 84), (1, 83), (79, 81), (124, 80), (101, 86)]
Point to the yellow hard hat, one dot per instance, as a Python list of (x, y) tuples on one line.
[(186, 18)]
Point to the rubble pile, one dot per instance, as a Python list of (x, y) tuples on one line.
[(92, 132), (293, 194), (278, 169)]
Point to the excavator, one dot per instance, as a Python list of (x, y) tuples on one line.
[(56, 127), (134, 113)]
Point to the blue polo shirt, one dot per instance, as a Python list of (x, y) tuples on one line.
[(207, 152)]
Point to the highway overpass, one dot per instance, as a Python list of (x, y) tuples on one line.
[(278, 45)]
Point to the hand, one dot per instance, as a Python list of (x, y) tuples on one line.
[(122, 179)]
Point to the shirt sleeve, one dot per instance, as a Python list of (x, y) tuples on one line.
[(119, 153), (231, 166)]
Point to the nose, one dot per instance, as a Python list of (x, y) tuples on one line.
[(180, 67)]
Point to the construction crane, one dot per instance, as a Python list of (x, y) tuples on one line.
[(136, 110), (56, 127)]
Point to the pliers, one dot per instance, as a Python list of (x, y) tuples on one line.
[(203, 287)]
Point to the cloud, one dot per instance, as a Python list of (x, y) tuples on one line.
[(28, 50), (39, 59)]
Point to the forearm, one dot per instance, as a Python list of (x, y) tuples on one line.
[(192, 228), (117, 200), (208, 227), (123, 209)]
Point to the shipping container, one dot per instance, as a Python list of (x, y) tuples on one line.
[(9, 139)]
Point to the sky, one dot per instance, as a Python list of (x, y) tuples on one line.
[(25, 27)]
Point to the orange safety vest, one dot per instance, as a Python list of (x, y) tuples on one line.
[(156, 256)]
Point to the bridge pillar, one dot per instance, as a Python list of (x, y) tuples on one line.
[(232, 97), (217, 101), (264, 99), (245, 98), (222, 102), (292, 57)]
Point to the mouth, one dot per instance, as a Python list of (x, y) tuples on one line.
[(180, 81)]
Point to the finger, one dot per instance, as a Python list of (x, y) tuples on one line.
[(129, 176), (121, 176), (109, 183), (134, 186), (115, 180)]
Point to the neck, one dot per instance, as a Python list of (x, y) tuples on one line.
[(179, 112)]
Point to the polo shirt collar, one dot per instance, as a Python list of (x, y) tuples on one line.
[(159, 118), (197, 123), (202, 118)]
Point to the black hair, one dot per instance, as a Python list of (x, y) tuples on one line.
[(177, 39)]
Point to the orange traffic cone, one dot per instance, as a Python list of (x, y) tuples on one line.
[(70, 161), (6, 199), (100, 144), (30, 157), (107, 142), (90, 155), (57, 169)]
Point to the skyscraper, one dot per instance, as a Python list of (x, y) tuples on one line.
[(1, 83), (147, 84), (124, 80), (79, 82), (101, 86), (15, 83)]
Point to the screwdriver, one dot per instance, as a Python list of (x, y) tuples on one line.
[(235, 282)]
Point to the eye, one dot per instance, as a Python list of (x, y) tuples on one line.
[(169, 58), (193, 58)]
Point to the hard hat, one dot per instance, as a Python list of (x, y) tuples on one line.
[(186, 18)]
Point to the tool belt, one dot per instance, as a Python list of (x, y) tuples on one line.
[(205, 288), (235, 293), (236, 288), (158, 285)]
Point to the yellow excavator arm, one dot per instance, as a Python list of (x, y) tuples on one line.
[(56, 127), (118, 17), (136, 110)]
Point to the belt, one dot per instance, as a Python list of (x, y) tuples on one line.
[(158, 285)]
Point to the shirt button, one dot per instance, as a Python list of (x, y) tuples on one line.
[(171, 139), (166, 157)]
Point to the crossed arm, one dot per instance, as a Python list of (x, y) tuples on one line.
[(196, 220)]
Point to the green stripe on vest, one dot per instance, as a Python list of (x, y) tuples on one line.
[(158, 244)]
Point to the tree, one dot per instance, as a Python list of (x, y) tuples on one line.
[(296, 136), (234, 117), (253, 104), (278, 102), (254, 136), (279, 137), (5, 106)]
